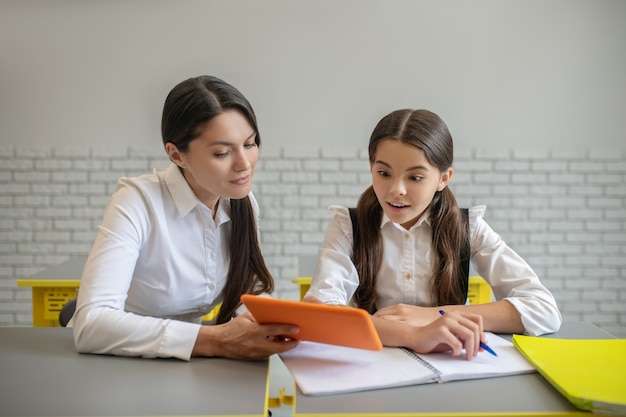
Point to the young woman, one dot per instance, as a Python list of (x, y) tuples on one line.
[(176, 243), (408, 261)]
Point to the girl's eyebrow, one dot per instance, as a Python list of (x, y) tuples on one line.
[(416, 167)]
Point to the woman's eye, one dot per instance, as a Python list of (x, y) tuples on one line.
[(250, 145), (383, 173), (222, 154)]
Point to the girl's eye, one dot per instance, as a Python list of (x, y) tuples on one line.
[(415, 178), (383, 173), (250, 145)]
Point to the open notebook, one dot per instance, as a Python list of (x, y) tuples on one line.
[(321, 369)]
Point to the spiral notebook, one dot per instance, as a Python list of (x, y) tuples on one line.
[(321, 369)]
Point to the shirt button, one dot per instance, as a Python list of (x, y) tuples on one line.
[(408, 275), (406, 236)]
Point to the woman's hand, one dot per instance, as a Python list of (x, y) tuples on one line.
[(413, 315), (312, 299), (243, 338)]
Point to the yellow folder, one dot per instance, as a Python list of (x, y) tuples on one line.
[(591, 374)]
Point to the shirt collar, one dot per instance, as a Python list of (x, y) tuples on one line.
[(185, 199), (223, 211), (424, 218), (182, 194)]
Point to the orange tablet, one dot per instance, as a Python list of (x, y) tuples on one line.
[(322, 323)]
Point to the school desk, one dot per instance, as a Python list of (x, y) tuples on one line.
[(519, 395), (41, 374)]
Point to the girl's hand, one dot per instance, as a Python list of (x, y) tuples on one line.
[(453, 332), (412, 315), (243, 338)]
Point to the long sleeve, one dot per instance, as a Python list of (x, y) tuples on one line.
[(335, 278), (158, 264), (511, 278)]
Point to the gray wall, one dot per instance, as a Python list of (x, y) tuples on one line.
[(501, 73), (533, 92)]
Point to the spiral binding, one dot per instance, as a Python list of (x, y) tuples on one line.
[(415, 356)]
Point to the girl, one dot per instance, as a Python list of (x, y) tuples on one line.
[(407, 262), (176, 243)]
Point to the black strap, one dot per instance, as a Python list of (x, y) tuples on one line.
[(465, 250), (465, 258)]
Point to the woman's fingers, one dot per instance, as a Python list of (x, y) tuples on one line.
[(243, 338)]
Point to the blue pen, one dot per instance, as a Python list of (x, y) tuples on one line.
[(482, 345)]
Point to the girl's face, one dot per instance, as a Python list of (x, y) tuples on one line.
[(404, 181), (220, 162)]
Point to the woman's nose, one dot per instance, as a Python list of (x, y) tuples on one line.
[(241, 162)]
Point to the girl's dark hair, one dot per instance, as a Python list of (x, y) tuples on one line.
[(425, 130), (188, 108)]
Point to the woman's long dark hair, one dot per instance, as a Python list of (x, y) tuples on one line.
[(188, 108), (425, 130)]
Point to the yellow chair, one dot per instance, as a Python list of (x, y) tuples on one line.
[(479, 291), (49, 296), (212, 315)]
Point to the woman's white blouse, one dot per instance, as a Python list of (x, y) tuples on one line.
[(406, 270), (158, 264)]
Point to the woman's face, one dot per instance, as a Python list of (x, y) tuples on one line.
[(220, 161), (404, 181)]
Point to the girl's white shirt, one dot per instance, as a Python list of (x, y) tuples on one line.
[(158, 264), (406, 270)]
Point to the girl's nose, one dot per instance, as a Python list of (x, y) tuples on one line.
[(398, 188)]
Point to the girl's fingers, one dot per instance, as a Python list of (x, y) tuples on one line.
[(466, 331), (476, 333)]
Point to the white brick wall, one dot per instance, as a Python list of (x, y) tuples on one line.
[(564, 211)]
